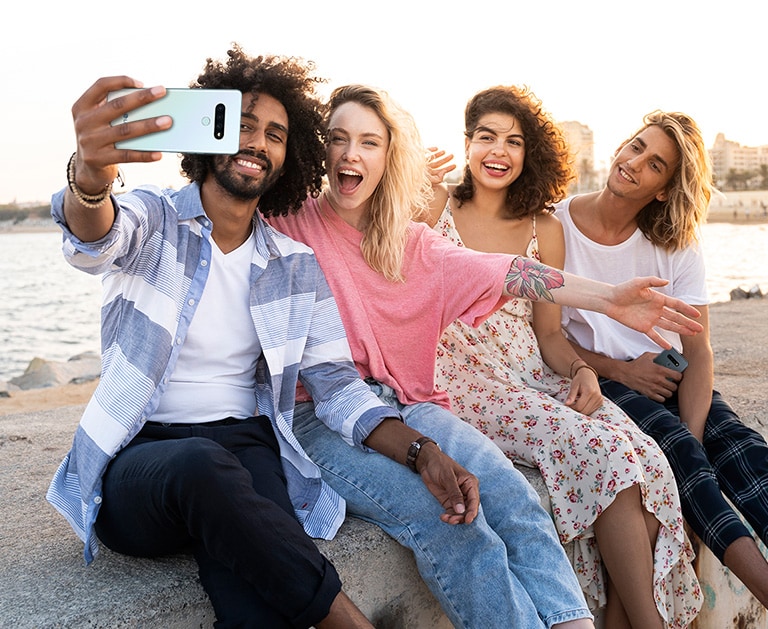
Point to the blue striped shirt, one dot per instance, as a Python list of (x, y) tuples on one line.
[(154, 265)]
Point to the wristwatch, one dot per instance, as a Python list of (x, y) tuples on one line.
[(415, 449)]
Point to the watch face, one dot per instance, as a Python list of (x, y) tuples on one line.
[(415, 448)]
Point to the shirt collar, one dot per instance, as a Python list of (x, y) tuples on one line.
[(190, 207), (188, 202), (265, 242)]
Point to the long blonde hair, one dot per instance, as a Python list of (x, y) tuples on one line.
[(404, 192), (674, 223)]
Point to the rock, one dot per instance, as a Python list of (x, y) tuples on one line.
[(41, 373), (752, 293), (6, 389)]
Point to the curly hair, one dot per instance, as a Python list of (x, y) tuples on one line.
[(674, 223), (548, 166), (404, 190), (291, 81)]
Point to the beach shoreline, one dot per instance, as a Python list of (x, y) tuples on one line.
[(739, 330)]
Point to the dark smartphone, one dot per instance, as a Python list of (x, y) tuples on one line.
[(671, 359)]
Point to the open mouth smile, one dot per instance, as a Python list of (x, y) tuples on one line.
[(348, 180)]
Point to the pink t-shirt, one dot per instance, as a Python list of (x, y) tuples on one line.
[(394, 327)]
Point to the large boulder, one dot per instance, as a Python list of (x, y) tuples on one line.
[(41, 373)]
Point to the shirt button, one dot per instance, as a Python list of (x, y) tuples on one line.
[(191, 302), (203, 262), (97, 500), (178, 340)]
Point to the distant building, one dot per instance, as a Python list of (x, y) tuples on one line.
[(728, 156), (581, 142)]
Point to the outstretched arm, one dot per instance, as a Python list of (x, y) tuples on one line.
[(633, 303)]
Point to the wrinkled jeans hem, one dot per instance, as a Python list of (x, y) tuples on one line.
[(566, 616)]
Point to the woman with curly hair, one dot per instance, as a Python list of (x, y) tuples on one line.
[(518, 380)]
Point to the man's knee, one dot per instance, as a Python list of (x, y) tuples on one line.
[(197, 461)]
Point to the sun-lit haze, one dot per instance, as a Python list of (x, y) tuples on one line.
[(604, 64)]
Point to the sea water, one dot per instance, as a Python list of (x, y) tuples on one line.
[(50, 310)]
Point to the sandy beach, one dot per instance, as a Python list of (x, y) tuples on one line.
[(725, 215), (33, 400)]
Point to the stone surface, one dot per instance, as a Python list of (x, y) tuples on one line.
[(44, 583), (41, 373)]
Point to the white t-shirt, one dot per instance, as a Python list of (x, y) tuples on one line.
[(214, 377), (635, 257)]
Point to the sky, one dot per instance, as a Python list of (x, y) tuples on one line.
[(602, 63)]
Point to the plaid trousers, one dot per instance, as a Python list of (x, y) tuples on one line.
[(732, 461)]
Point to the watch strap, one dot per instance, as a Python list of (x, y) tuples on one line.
[(415, 449)]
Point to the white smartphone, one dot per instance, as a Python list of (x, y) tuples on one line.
[(204, 121)]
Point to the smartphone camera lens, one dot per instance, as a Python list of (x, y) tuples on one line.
[(218, 121)]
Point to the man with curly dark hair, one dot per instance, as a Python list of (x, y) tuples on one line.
[(210, 318), (285, 80)]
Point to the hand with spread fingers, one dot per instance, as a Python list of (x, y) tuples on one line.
[(439, 164)]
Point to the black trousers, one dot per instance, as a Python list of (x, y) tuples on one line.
[(218, 489), (732, 461)]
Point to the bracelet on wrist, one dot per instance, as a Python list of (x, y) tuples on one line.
[(90, 201), (415, 449), (586, 366), (571, 372)]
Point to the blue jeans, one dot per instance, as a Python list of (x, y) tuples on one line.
[(506, 569)]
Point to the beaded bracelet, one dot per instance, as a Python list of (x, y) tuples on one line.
[(91, 201)]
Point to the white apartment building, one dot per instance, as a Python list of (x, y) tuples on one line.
[(727, 155)]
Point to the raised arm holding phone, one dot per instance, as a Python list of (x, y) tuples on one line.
[(186, 444)]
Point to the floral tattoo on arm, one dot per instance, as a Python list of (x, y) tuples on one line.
[(532, 280)]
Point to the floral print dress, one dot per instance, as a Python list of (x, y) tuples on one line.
[(498, 382)]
